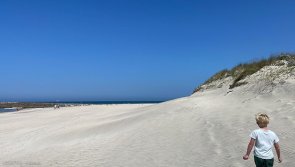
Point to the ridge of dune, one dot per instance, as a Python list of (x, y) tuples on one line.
[(208, 128), (259, 77)]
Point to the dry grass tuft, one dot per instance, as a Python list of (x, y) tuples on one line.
[(241, 71)]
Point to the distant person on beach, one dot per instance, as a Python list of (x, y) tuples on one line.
[(56, 106), (263, 139)]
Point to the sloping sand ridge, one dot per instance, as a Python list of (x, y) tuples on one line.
[(209, 128)]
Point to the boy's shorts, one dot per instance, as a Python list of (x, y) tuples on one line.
[(259, 162)]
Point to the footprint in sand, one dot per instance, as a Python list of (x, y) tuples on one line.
[(210, 130)]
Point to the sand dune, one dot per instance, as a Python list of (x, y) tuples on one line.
[(206, 129)]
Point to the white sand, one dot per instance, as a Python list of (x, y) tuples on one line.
[(204, 130)]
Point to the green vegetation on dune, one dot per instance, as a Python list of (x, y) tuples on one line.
[(241, 71)]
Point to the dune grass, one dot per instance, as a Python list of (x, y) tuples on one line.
[(241, 71)]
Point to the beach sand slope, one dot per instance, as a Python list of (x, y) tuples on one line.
[(206, 129)]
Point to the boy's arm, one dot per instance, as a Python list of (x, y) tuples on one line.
[(250, 146), (278, 150)]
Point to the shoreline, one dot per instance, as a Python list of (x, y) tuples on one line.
[(24, 105)]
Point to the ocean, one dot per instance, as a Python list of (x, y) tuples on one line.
[(7, 110)]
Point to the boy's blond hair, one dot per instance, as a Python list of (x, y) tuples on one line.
[(262, 120)]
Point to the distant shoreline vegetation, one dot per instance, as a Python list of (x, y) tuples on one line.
[(23, 105)]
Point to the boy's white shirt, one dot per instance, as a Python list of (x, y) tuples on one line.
[(265, 139)]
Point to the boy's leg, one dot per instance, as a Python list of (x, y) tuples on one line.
[(258, 162), (269, 162), (263, 162)]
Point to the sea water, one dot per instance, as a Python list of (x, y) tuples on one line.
[(7, 110)]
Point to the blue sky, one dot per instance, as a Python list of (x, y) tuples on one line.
[(132, 50)]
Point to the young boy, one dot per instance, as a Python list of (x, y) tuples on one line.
[(263, 139)]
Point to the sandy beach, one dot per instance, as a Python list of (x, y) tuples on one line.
[(206, 129), (92, 83)]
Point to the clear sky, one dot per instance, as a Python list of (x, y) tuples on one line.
[(132, 50)]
